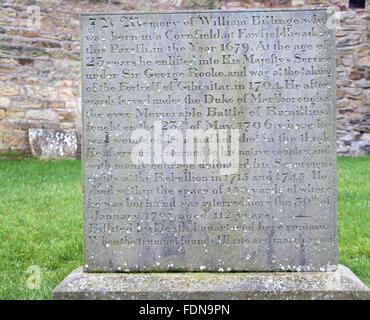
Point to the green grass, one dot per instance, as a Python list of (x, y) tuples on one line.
[(41, 221), (41, 224), (354, 215)]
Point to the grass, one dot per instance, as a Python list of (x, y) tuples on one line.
[(354, 215), (41, 221), (41, 224)]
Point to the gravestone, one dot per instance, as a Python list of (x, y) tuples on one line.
[(53, 143), (209, 145)]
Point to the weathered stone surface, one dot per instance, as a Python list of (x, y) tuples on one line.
[(365, 61), (38, 92), (44, 115), (13, 141), (2, 114), (47, 143), (4, 102), (8, 90), (15, 114), (27, 103), (62, 31), (338, 285), (272, 205), (205, 4)]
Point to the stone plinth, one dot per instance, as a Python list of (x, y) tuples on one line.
[(336, 285)]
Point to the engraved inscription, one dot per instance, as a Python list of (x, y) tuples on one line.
[(208, 141)]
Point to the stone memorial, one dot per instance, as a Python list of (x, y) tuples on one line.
[(53, 143), (209, 145)]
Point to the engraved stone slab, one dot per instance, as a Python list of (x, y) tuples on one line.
[(53, 143), (209, 141)]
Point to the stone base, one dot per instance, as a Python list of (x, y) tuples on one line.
[(337, 285)]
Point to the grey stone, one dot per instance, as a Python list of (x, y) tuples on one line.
[(342, 149), (366, 138), (53, 143), (347, 138), (206, 4), (337, 285), (267, 74)]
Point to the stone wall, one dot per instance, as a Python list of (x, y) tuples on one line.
[(40, 68)]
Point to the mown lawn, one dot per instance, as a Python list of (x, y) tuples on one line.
[(41, 224), (41, 221), (354, 215)]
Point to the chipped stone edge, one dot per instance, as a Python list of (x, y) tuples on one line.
[(341, 284)]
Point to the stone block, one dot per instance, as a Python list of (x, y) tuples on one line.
[(15, 141), (364, 61), (2, 113), (341, 284), (205, 223), (4, 102), (15, 114), (46, 143), (8, 90), (44, 115), (27, 103)]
